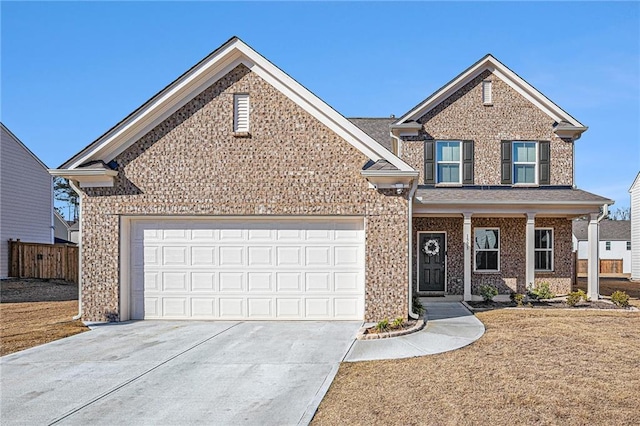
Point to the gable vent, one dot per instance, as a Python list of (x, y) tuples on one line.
[(241, 113), (487, 97)]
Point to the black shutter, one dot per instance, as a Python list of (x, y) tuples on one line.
[(506, 164), (429, 162), (467, 162), (544, 163)]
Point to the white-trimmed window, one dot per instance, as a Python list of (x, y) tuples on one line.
[(607, 245), (543, 249), (449, 160), (525, 162), (487, 249), (628, 245), (241, 112)]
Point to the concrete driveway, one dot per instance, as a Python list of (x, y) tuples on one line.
[(170, 373)]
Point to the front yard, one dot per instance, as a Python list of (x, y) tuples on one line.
[(531, 367), (34, 312)]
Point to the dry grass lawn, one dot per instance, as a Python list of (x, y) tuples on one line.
[(26, 322), (531, 367)]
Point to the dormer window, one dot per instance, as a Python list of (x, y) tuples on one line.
[(241, 113), (487, 96)]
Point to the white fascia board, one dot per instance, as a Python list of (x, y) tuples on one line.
[(87, 178), (506, 75), (519, 203), (490, 210), (384, 179), (207, 73)]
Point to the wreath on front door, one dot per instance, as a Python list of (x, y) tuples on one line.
[(431, 248)]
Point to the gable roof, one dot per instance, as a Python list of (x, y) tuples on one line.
[(609, 230), (19, 142), (488, 62), (202, 75), (636, 182)]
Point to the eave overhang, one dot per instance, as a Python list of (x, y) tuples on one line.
[(390, 179), (87, 178)]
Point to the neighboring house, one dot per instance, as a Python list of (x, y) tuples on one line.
[(235, 193), (64, 231), (26, 197), (635, 228), (614, 245)]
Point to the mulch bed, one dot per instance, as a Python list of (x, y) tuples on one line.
[(544, 304)]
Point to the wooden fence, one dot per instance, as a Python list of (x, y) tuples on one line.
[(48, 261), (611, 267)]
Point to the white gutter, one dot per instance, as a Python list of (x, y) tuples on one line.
[(77, 191), (412, 192)]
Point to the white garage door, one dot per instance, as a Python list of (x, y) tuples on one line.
[(250, 269)]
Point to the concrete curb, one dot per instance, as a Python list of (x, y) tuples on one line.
[(362, 333)]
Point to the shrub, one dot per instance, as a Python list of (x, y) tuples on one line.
[(620, 298), (542, 291), (397, 323), (488, 292), (574, 297), (382, 325), (417, 305), (519, 299)]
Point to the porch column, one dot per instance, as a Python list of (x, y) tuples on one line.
[(466, 237), (530, 257), (593, 263)]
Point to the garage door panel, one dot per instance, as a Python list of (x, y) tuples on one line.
[(231, 282), (203, 307), (250, 269), (260, 282), (203, 256), (232, 307), (203, 281)]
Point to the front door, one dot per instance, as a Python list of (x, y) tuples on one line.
[(432, 252)]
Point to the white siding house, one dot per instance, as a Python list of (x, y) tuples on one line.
[(635, 228), (614, 241), (26, 197)]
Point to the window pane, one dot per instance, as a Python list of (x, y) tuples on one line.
[(524, 152), (543, 260), (524, 173), (487, 261), (448, 151), (449, 173), (543, 239), (486, 238)]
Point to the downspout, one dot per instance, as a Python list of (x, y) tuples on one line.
[(412, 192), (605, 213), (77, 191)]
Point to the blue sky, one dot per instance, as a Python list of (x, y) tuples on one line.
[(71, 70)]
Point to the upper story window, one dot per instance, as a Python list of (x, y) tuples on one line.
[(448, 162), (241, 113), (607, 245), (628, 245), (449, 158), (487, 249), (525, 162)]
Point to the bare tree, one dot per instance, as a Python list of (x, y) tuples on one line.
[(65, 194), (621, 213)]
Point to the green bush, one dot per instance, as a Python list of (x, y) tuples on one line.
[(519, 299), (397, 323), (488, 292), (382, 325), (620, 298), (542, 291), (574, 297)]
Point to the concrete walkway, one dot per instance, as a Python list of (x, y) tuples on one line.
[(449, 326)]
